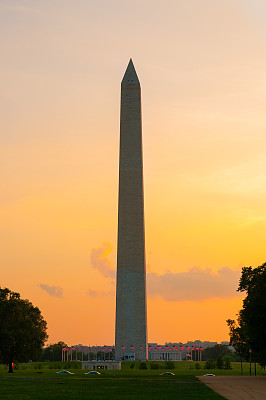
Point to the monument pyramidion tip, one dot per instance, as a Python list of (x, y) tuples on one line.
[(130, 74)]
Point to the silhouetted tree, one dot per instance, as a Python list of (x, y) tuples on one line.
[(216, 351), (250, 332), (238, 339), (53, 352), (22, 329), (253, 313)]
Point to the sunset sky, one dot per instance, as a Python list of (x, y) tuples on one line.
[(202, 68)]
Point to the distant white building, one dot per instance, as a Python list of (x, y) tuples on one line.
[(164, 355)]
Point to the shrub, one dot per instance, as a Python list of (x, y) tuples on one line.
[(169, 365), (219, 362), (142, 365), (155, 366), (197, 366), (227, 363), (76, 365), (210, 364), (132, 366)]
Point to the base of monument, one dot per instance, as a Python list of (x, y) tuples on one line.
[(101, 365)]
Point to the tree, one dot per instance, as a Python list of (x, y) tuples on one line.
[(53, 352), (252, 317), (22, 329), (220, 363), (238, 339), (216, 351), (227, 363)]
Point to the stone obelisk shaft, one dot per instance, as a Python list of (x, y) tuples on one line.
[(131, 325)]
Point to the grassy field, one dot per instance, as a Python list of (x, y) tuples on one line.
[(99, 389), (40, 381)]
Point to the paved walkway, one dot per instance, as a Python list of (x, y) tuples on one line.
[(237, 387)]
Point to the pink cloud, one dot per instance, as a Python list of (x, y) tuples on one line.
[(194, 284)]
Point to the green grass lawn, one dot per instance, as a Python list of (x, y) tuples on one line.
[(39, 381), (104, 389)]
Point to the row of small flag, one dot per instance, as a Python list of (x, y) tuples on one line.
[(82, 348), (105, 348), (181, 348), (73, 348)]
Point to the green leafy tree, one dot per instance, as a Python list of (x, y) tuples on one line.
[(22, 329)]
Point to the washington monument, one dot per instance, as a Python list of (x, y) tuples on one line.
[(131, 314)]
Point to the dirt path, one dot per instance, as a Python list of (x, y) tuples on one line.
[(237, 387)]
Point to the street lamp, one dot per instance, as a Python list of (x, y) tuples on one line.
[(250, 351)]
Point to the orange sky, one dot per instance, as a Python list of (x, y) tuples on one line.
[(202, 68)]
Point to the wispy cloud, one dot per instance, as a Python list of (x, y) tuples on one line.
[(54, 291), (195, 284), (250, 220), (16, 7), (100, 261), (247, 178), (96, 293)]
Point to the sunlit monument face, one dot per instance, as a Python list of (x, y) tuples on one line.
[(131, 325)]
